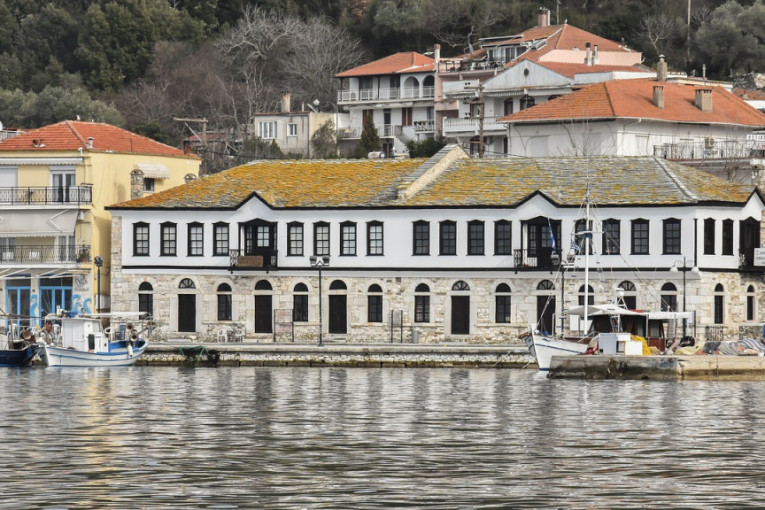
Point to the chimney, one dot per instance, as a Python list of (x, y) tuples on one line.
[(436, 52), (90, 142), (286, 103), (595, 57), (661, 69), (587, 54), (136, 184), (704, 100), (543, 17), (658, 96)]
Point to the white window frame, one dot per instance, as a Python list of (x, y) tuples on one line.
[(267, 130), (292, 129)]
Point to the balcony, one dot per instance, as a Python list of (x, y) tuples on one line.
[(480, 66), (541, 258), (259, 258), (397, 94), (383, 130), (424, 126), (472, 125), (42, 195), (709, 150), (44, 254)]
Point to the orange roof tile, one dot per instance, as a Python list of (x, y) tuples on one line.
[(398, 63), (73, 135), (634, 99)]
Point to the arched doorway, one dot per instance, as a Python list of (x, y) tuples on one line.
[(460, 308), (338, 311), (263, 307), (187, 306), (546, 306)]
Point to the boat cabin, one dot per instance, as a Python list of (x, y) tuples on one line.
[(83, 334)]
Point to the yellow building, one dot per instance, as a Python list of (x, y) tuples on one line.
[(55, 234)]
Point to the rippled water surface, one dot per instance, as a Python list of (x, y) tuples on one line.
[(151, 437)]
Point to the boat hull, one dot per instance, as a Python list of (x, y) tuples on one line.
[(545, 347), (18, 357), (60, 357)]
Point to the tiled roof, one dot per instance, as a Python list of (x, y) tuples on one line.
[(634, 99), (462, 183), (71, 135), (532, 34), (752, 95), (570, 69), (398, 63)]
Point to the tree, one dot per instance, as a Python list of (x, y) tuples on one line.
[(323, 142), (53, 104), (424, 148), (370, 140)]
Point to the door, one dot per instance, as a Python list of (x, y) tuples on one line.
[(187, 313), (61, 182), (460, 315), (263, 313), (749, 240), (338, 316), (18, 301), (545, 313)]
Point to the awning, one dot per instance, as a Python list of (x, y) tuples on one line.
[(153, 170), (604, 309), (37, 223)]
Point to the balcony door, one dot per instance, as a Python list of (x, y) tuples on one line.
[(64, 251), (61, 181)]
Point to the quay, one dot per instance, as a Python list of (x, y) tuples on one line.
[(664, 368), (449, 355)]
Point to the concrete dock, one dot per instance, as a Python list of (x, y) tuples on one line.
[(330, 354), (668, 368)]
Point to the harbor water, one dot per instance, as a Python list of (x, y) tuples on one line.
[(294, 438)]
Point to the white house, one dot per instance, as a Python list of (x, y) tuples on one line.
[(445, 249)]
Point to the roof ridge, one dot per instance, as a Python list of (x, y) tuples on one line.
[(74, 132), (608, 96), (675, 179)]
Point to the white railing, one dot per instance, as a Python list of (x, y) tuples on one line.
[(386, 130), (424, 126), (472, 124), (363, 95)]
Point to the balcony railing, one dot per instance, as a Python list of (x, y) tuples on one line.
[(261, 258), (541, 258), (472, 124), (386, 130), (424, 126), (469, 65), (44, 254), (716, 149), (364, 95), (46, 195)]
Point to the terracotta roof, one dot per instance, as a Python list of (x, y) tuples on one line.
[(532, 34), (462, 183), (570, 70), (71, 135), (398, 63), (751, 95), (634, 99)]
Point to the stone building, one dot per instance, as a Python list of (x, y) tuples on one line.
[(445, 249)]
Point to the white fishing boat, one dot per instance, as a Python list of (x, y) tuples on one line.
[(83, 342)]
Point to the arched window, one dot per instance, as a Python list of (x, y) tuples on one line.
[(460, 285), (719, 311), (224, 302), (668, 297), (422, 303), (526, 102), (187, 283), (263, 285), (546, 285), (630, 294), (300, 303), (337, 285), (502, 304), (590, 295), (264, 309), (374, 303), (146, 300), (750, 303)]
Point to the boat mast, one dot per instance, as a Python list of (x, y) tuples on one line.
[(587, 234)]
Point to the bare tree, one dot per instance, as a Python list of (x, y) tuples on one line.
[(658, 28)]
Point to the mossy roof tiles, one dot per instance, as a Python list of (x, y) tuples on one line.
[(616, 181)]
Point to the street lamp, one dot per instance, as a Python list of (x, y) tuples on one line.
[(684, 266), (318, 263), (98, 261)]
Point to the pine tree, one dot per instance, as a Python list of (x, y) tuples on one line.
[(370, 140)]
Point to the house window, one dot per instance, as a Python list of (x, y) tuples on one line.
[(374, 303), (612, 237), (640, 237), (406, 116), (422, 303), (295, 236), (668, 297), (447, 238), (146, 300), (347, 238), (503, 241), (196, 240), (140, 239), (475, 237), (224, 302), (149, 183), (321, 239), (671, 236), (267, 130), (526, 102), (300, 303), (719, 311), (221, 239), (374, 238), (750, 303), (169, 239), (421, 242), (709, 236), (502, 301), (508, 106), (583, 234), (630, 294), (291, 129), (727, 237), (590, 295)]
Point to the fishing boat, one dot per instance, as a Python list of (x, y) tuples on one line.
[(83, 342), (18, 351)]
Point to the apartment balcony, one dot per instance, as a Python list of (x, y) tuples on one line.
[(383, 131), (360, 96), (46, 195), (472, 125), (424, 126), (44, 254), (727, 150), (541, 258), (466, 66), (258, 258)]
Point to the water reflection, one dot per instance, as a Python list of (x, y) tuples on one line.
[(150, 437)]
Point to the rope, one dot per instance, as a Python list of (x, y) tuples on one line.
[(192, 353)]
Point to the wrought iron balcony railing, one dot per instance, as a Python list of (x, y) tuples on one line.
[(44, 254), (253, 259), (46, 195), (541, 258)]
